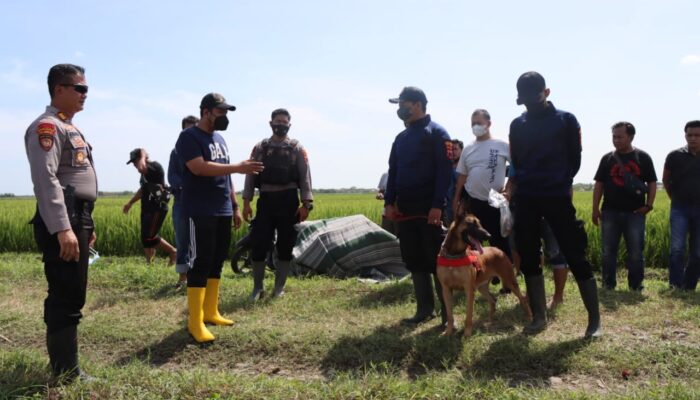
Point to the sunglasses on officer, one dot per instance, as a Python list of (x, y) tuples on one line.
[(80, 88)]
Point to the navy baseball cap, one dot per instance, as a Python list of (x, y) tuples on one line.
[(215, 100), (134, 156), (412, 94), (530, 85)]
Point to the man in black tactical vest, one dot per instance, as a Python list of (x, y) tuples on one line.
[(286, 172)]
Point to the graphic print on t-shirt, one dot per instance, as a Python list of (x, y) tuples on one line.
[(617, 174)]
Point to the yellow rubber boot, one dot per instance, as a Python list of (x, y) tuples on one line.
[(211, 304), (195, 322)]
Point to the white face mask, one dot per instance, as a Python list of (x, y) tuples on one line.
[(479, 130)]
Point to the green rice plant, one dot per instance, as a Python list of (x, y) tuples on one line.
[(118, 234)]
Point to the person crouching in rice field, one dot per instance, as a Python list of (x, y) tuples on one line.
[(154, 198)]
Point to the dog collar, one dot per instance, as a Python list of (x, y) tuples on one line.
[(469, 258)]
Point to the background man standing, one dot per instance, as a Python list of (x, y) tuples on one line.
[(545, 146), (420, 169), (482, 167), (180, 223), (624, 206), (286, 178), (209, 203), (682, 182), (65, 186)]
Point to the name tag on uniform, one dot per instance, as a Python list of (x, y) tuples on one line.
[(79, 153), (76, 140)]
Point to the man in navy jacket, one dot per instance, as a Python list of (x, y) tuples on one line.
[(420, 169), (545, 146)]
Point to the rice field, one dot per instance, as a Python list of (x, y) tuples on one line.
[(118, 234)]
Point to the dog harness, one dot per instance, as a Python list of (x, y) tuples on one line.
[(469, 258)]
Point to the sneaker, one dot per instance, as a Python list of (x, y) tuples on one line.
[(180, 284)]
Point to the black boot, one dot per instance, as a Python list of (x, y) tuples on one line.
[(443, 309), (258, 277), (536, 298), (425, 300), (63, 355), (281, 272), (589, 295)]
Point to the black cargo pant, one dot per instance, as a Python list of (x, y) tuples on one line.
[(490, 219), (560, 214), (67, 279), (210, 239), (276, 211)]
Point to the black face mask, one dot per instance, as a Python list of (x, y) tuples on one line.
[(220, 123), (280, 130), (404, 113)]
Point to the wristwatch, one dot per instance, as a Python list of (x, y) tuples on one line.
[(308, 206)]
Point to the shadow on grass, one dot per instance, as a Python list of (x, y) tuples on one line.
[(22, 376), (167, 291), (611, 300), (393, 348), (162, 352), (519, 360), (392, 293), (687, 296)]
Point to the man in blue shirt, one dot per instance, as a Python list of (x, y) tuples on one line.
[(420, 169), (545, 145), (180, 223), (208, 200)]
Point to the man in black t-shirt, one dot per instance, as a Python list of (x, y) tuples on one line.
[(625, 204), (682, 182), (154, 204)]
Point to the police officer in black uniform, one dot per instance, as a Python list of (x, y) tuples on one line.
[(65, 186), (420, 170), (545, 146), (286, 174)]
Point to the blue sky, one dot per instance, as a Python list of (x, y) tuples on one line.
[(335, 64)]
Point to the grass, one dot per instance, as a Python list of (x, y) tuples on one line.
[(340, 339)]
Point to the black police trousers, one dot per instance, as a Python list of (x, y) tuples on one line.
[(210, 239), (67, 279), (276, 211), (420, 243), (560, 214)]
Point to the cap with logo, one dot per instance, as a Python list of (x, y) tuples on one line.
[(215, 100), (530, 85), (134, 156), (412, 94)]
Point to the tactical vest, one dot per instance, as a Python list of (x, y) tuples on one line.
[(280, 163)]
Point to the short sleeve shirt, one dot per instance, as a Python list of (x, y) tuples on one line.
[(684, 176), (154, 176), (615, 197), (484, 163), (204, 195)]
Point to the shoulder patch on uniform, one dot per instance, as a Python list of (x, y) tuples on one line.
[(46, 128), (449, 151), (46, 142), (304, 154)]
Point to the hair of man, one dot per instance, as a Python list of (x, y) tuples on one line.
[(58, 74)]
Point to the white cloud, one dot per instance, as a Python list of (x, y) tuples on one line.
[(691, 59)]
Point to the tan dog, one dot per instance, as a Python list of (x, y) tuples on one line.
[(469, 270)]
